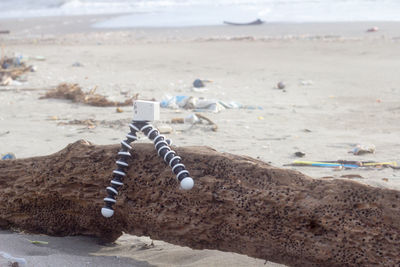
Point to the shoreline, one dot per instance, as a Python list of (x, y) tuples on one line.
[(69, 28)]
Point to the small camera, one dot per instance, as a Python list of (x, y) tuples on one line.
[(146, 110)]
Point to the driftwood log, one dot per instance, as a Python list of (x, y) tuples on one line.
[(238, 204)]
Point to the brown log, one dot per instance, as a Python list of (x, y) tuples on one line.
[(238, 204)]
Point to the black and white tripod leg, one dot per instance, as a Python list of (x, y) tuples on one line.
[(119, 173), (170, 157)]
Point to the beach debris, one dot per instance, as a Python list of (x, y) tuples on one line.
[(37, 58), (344, 164), (12, 69), (8, 156), (4, 133), (385, 179), (351, 176), (395, 167), (38, 242), (214, 126), (77, 64), (4, 32), (306, 82), (195, 119), (191, 118), (363, 149), (373, 29), (281, 85), (299, 154), (147, 246), (201, 104), (8, 260), (254, 22), (74, 93), (307, 130), (92, 123), (165, 129), (119, 110), (260, 118), (89, 123), (178, 120), (198, 83)]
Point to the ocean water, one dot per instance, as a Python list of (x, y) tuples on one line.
[(166, 13)]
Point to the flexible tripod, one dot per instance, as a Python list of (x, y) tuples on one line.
[(162, 146)]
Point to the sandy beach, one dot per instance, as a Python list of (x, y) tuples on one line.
[(341, 89)]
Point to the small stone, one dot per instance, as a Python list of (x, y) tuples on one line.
[(165, 129), (299, 154), (281, 85), (77, 64), (198, 83)]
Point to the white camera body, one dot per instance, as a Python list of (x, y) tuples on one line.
[(146, 110)]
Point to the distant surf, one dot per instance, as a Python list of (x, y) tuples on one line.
[(172, 13)]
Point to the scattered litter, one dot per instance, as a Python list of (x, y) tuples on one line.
[(119, 110), (4, 133), (11, 69), (306, 82), (8, 156), (351, 176), (344, 164), (89, 123), (214, 127), (260, 118), (178, 120), (77, 64), (201, 104), (38, 58), (191, 118), (165, 129), (281, 85), (198, 83), (373, 29), (12, 261), (74, 92), (327, 177), (299, 154), (54, 118), (147, 246), (385, 179), (38, 242), (92, 123), (307, 130), (363, 149), (195, 119)]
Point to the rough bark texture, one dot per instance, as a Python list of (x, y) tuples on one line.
[(238, 204)]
